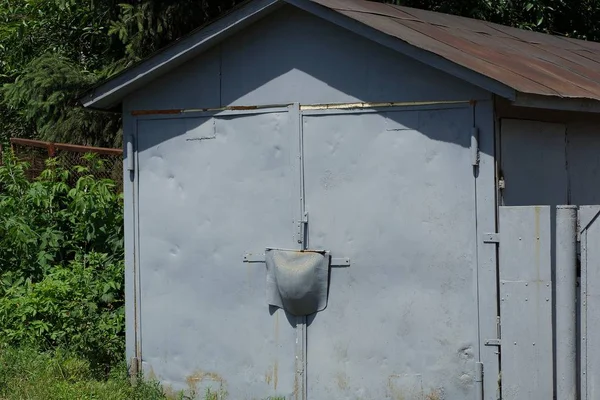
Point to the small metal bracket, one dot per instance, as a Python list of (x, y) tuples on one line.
[(501, 184), (340, 262), (492, 342), (303, 228), (254, 258), (491, 238), (260, 258)]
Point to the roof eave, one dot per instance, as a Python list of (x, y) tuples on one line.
[(556, 103), (110, 93)]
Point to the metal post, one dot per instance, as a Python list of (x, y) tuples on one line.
[(301, 379), (565, 294)]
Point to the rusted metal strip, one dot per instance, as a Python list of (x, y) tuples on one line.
[(34, 143), (324, 106), (52, 147), (207, 109), (361, 105), (30, 142)]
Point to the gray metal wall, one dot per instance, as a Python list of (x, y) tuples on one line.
[(292, 56), (549, 157), (538, 285)]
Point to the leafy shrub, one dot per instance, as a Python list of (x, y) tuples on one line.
[(78, 306), (49, 221), (61, 262)]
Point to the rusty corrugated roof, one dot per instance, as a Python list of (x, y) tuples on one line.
[(529, 62)]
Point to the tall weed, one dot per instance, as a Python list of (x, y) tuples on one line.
[(28, 374)]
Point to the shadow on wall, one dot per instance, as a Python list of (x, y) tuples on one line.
[(292, 56), (441, 123)]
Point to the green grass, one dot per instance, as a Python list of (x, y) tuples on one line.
[(27, 374), (30, 375)]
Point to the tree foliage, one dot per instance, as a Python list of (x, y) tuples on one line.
[(52, 50), (577, 19)]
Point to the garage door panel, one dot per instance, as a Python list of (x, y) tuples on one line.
[(212, 189), (400, 203)]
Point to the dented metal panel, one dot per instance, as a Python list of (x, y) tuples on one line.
[(202, 205), (525, 254), (394, 192)]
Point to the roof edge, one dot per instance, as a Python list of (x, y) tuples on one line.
[(111, 92), (556, 103)]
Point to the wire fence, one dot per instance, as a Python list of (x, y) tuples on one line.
[(108, 163)]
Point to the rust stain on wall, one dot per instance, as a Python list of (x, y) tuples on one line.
[(341, 380), (271, 376), (434, 395), (296, 392), (204, 376), (275, 372), (268, 376), (200, 376), (406, 387)]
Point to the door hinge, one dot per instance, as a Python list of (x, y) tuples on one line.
[(479, 380), (491, 238), (475, 146), (479, 372), (130, 154)]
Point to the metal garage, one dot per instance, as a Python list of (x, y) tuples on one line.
[(351, 200)]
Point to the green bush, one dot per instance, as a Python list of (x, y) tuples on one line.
[(50, 221), (61, 262), (78, 306)]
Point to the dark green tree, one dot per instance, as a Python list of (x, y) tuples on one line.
[(52, 50), (577, 19)]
